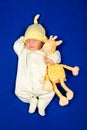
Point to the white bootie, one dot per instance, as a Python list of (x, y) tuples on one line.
[(41, 107), (33, 105), (41, 112)]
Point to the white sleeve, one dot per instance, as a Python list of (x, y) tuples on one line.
[(19, 46), (56, 57)]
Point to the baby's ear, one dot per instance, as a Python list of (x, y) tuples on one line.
[(58, 42)]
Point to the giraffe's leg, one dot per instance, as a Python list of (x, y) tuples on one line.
[(69, 93), (48, 86), (62, 99)]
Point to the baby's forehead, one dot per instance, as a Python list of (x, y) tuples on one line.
[(33, 39)]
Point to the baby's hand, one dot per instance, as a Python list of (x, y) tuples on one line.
[(49, 61)]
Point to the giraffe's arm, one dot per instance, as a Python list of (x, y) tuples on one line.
[(75, 70), (67, 67)]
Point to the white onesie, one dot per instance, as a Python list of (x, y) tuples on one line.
[(31, 70)]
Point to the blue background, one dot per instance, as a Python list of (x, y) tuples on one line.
[(68, 20)]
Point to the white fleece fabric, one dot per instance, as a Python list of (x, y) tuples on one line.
[(31, 70)]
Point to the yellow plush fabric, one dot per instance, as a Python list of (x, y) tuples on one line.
[(56, 72)]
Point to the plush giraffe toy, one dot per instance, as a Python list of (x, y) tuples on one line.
[(56, 73)]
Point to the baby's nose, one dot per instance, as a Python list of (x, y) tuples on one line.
[(31, 41)]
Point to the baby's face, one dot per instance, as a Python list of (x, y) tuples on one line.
[(33, 44)]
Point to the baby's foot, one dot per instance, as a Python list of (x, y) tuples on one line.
[(33, 105), (41, 107), (32, 108), (41, 112)]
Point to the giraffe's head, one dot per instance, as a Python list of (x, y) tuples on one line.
[(50, 45)]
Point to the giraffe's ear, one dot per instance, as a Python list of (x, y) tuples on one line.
[(58, 42), (44, 39)]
